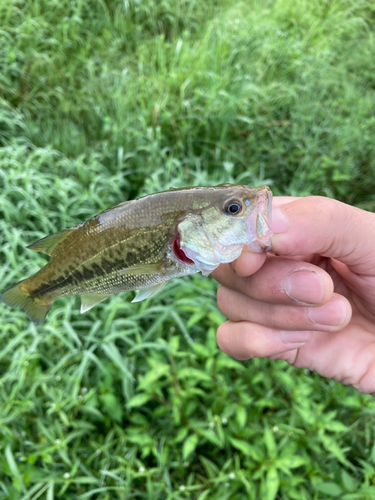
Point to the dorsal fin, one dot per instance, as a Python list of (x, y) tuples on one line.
[(49, 243)]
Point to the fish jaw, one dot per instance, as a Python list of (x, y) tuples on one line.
[(209, 253), (208, 264), (260, 219)]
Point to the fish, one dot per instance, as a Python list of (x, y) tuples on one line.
[(142, 244)]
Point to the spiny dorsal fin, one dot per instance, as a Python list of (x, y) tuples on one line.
[(49, 243), (89, 301)]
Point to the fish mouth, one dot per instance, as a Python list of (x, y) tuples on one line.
[(178, 251), (260, 220)]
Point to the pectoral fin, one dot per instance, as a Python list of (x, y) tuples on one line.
[(49, 243), (89, 301), (148, 292), (143, 269)]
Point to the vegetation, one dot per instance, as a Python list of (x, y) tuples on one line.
[(102, 101)]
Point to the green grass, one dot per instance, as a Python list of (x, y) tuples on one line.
[(102, 101)]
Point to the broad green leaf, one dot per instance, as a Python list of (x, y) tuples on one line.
[(241, 416), (141, 439), (243, 446), (138, 400), (18, 483), (195, 318), (216, 317), (224, 361), (174, 344), (332, 447), (187, 373), (153, 375), (112, 406), (291, 461), (270, 443), (329, 488), (204, 495), (348, 481), (272, 483), (210, 467), (248, 483), (189, 446), (211, 437), (336, 426), (181, 434), (114, 354)]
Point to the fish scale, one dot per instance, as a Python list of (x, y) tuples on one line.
[(142, 244)]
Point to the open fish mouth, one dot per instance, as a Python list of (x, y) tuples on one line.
[(178, 251), (260, 218)]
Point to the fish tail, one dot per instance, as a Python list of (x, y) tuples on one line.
[(34, 307)]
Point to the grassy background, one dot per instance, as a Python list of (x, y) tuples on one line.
[(102, 101)]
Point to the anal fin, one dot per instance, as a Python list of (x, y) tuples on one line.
[(89, 301), (145, 293)]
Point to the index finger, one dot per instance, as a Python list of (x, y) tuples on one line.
[(326, 227)]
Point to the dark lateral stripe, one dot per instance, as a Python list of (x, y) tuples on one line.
[(79, 276), (53, 285)]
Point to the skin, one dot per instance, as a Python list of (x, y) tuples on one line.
[(310, 302)]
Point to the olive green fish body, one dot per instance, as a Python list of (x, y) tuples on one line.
[(142, 244)]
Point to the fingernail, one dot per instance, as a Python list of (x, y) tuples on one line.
[(304, 286), (289, 337), (279, 221), (331, 314)]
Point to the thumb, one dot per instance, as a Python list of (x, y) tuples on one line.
[(318, 225)]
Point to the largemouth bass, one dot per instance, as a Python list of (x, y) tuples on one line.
[(144, 243)]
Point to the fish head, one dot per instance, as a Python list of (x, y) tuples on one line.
[(232, 218)]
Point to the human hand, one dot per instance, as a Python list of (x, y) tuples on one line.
[(311, 301)]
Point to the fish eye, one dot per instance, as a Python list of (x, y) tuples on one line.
[(233, 207)]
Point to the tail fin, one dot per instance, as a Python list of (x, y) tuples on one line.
[(18, 296)]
